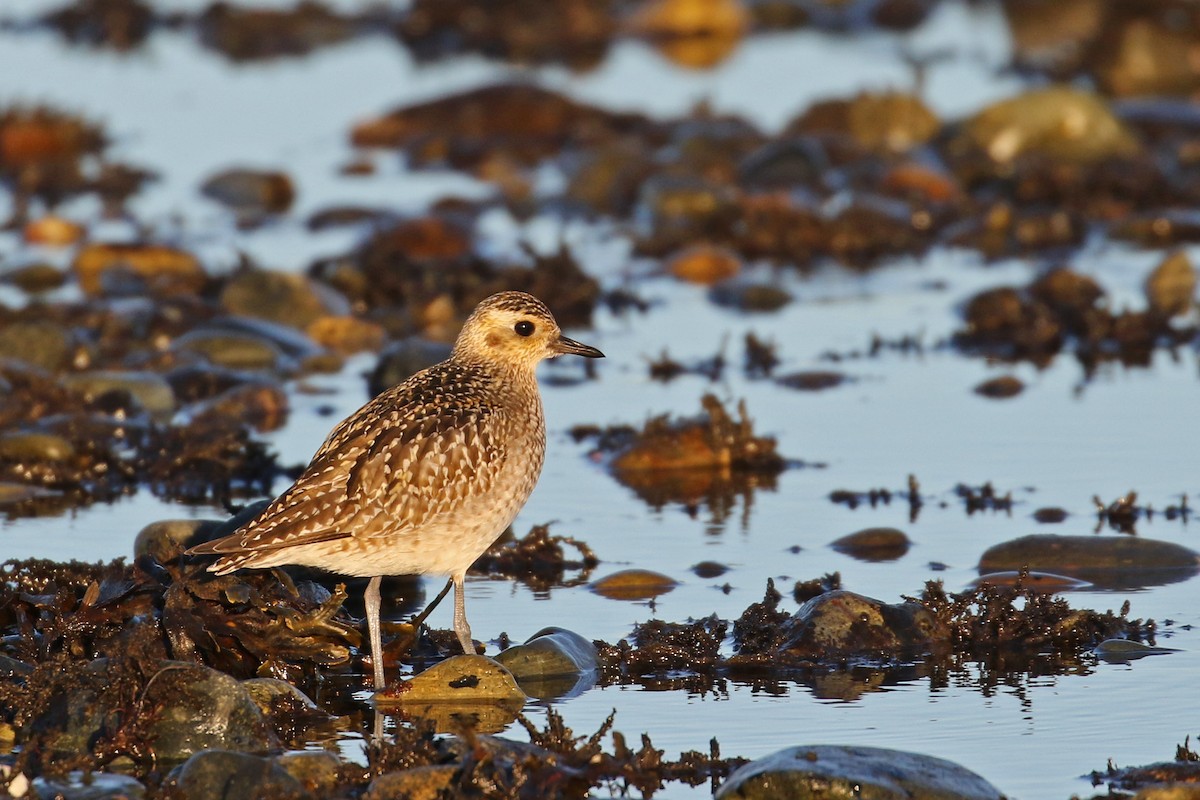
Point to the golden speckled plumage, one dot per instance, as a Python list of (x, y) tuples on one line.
[(423, 478)]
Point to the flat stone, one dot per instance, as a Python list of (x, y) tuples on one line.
[(1109, 561), (227, 775), (822, 772), (149, 389), (552, 663)]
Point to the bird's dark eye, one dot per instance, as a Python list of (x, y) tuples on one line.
[(524, 328)]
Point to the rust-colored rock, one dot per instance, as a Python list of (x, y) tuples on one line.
[(157, 268)]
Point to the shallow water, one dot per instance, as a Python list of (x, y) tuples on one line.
[(186, 112)]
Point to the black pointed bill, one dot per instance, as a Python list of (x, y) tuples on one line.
[(565, 346)]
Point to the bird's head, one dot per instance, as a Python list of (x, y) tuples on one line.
[(517, 330)]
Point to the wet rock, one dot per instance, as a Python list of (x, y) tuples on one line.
[(466, 687), (269, 694), (819, 772), (812, 380), (41, 149), (281, 297), (188, 708), (749, 296), (290, 713), (683, 18), (704, 264), (1054, 37), (35, 278), (26, 446), (709, 569), (120, 24), (52, 231), (695, 34), (920, 183), (217, 774), (462, 679), (318, 771), (247, 34), (203, 709), (1036, 581), (1000, 388), (261, 405), (574, 32), (131, 269), (1058, 122), (165, 540), (151, 390), (1171, 286), (1050, 515), (1108, 561), (873, 544), (42, 343), (233, 350), (888, 122), (1146, 50), (633, 584), (346, 334), (1123, 650), (251, 192), (841, 624), (90, 786), (14, 494), (552, 663), (419, 783)]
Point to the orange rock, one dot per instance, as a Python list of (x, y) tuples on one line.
[(163, 269), (41, 136), (346, 334), (910, 179), (633, 584), (705, 264), (661, 18), (53, 231)]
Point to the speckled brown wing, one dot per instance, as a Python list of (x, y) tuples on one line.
[(405, 459)]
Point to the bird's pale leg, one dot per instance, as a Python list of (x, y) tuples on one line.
[(371, 599), (460, 614)]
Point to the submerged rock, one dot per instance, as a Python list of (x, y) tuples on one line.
[(633, 584), (225, 775), (843, 624), (1061, 123), (470, 688), (281, 297), (873, 544), (552, 663), (821, 772), (151, 391), (1107, 561), (250, 191), (138, 268), (1171, 286)]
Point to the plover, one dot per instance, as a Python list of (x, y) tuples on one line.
[(422, 479)]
